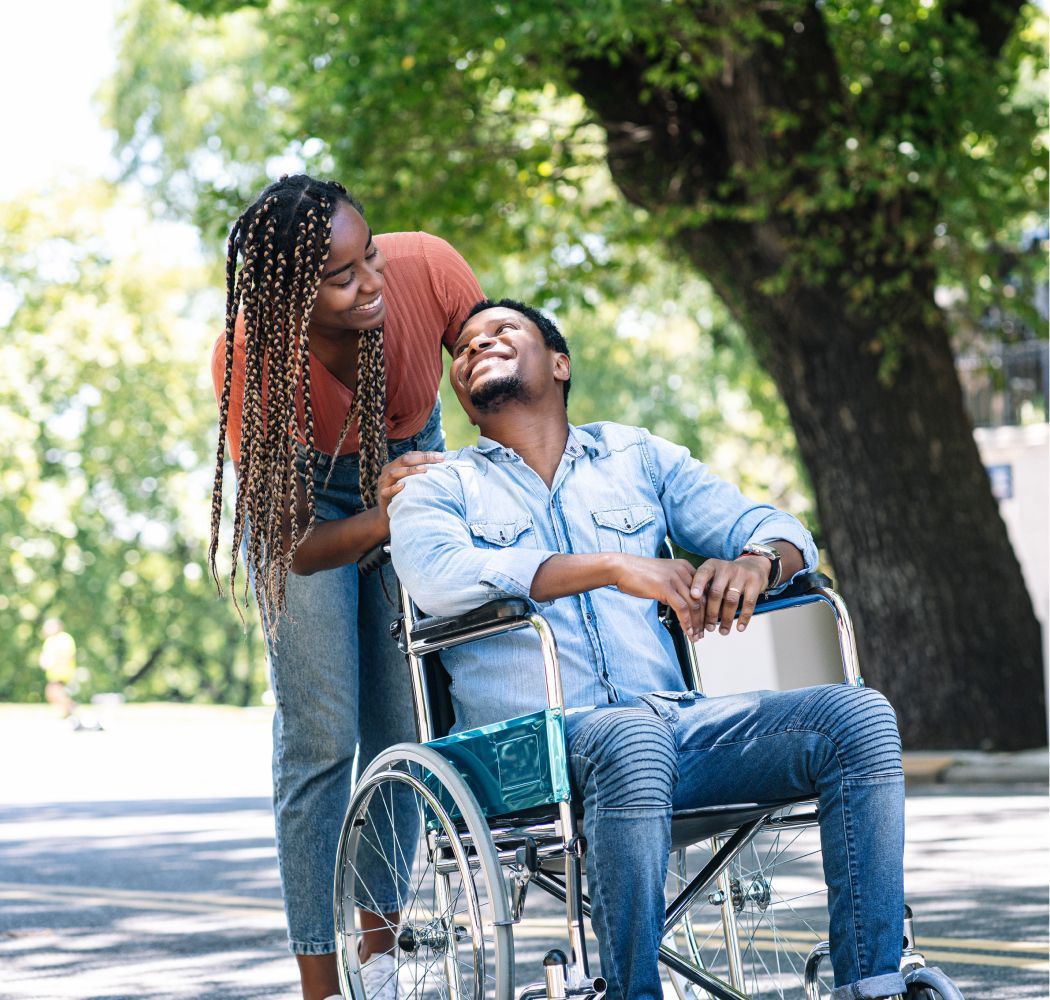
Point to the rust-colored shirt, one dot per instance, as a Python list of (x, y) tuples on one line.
[(429, 289)]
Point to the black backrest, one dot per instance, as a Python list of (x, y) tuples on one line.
[(442, 715)]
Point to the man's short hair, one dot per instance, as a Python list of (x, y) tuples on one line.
[(552, 336)]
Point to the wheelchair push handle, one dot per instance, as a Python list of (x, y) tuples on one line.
[(374, 558)]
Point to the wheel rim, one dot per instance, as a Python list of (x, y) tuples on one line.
[(774, 892), (449, 942)]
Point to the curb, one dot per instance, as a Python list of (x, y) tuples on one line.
[(975, 767)]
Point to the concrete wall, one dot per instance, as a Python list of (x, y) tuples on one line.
[(1025, 452)]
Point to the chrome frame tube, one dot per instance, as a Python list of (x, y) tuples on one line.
[(571, 844), (846, 635), (843, 624), (730, 931), (712, 870), (551, 668), (579, 968), (417, 676)]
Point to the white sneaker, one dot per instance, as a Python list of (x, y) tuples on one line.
[(379, 978)]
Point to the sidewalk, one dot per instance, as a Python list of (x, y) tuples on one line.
[(69, 766), (975, 767)]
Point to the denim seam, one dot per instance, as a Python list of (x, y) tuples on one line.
[(597, 893), (278, 751), (856, 904), (633, 812), (882, 778)]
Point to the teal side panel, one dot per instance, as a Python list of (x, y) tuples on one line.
[(511, 766)]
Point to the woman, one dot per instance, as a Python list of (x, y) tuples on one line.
[(327, 381)]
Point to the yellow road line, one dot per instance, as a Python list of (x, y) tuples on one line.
[(962, 951), (137, 899)]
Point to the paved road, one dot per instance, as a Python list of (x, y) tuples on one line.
[(138, 862)]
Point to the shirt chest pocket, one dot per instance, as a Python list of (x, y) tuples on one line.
[(630, 529), (502, 532)]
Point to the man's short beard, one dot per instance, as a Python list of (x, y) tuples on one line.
[(492, 394)]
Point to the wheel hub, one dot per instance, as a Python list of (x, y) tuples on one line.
[(756, 893), (433, 934)]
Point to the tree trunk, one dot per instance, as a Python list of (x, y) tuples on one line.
[(944, 621)]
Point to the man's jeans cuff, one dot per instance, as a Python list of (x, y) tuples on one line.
[(874, 988)]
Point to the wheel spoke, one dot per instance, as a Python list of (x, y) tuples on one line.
[(778, 900)]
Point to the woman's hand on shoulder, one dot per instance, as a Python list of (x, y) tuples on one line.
[(392, 478)]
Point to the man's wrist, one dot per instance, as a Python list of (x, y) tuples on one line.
[(772, 556), (762, 563), (610, 564)]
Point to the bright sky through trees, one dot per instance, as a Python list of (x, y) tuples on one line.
[(53, 57)]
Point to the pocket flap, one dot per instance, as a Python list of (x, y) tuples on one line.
[(501, 531), (625, 519)]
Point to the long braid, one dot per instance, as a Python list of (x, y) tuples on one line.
[(282, 241), (371, 390), (232, 297)]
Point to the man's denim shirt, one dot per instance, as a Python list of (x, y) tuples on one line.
[(479, 525)]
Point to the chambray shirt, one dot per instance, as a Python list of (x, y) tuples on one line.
[(478, 526)]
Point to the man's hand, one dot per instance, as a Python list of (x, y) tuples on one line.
[(392, 478), (664, 580), (722, 587)]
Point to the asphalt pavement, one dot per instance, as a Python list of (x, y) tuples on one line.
[(139, 862)]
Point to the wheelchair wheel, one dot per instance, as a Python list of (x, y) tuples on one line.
[(929, 983), (772, 898), (415, 846)]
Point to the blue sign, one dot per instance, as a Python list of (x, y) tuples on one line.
[(1002, 477)]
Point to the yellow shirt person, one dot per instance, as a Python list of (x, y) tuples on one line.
[(58, 656)]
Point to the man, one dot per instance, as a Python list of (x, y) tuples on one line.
[(571, 517)]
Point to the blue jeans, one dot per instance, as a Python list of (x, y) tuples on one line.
[(342, 690), (634, 762)]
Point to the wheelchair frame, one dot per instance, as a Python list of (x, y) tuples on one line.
[(529, 848)]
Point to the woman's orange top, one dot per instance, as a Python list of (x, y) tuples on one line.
[(429, 289)]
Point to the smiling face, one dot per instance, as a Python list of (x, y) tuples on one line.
[(500, 357), (350, 296)]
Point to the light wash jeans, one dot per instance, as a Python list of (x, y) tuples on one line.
[(342, 688), (635, 761)]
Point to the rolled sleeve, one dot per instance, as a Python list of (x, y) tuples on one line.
[(784, 526), (512, 570)]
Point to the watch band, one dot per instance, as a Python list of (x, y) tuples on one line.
[(770, 553)]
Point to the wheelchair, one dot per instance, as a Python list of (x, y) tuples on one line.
[(460, 827)]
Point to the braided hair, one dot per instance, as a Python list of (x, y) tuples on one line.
[(282, 241)]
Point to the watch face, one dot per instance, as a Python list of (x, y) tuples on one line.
[(762, 550)]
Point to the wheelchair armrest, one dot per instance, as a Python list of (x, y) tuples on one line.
[(800, 586), (450, 629)]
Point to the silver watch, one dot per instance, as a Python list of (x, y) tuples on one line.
[(770, 553)]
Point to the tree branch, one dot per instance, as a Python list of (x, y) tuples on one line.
[(994, 19)]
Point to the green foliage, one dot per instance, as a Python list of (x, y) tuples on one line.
[(104, 391), (455, 119), (920, 149)]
